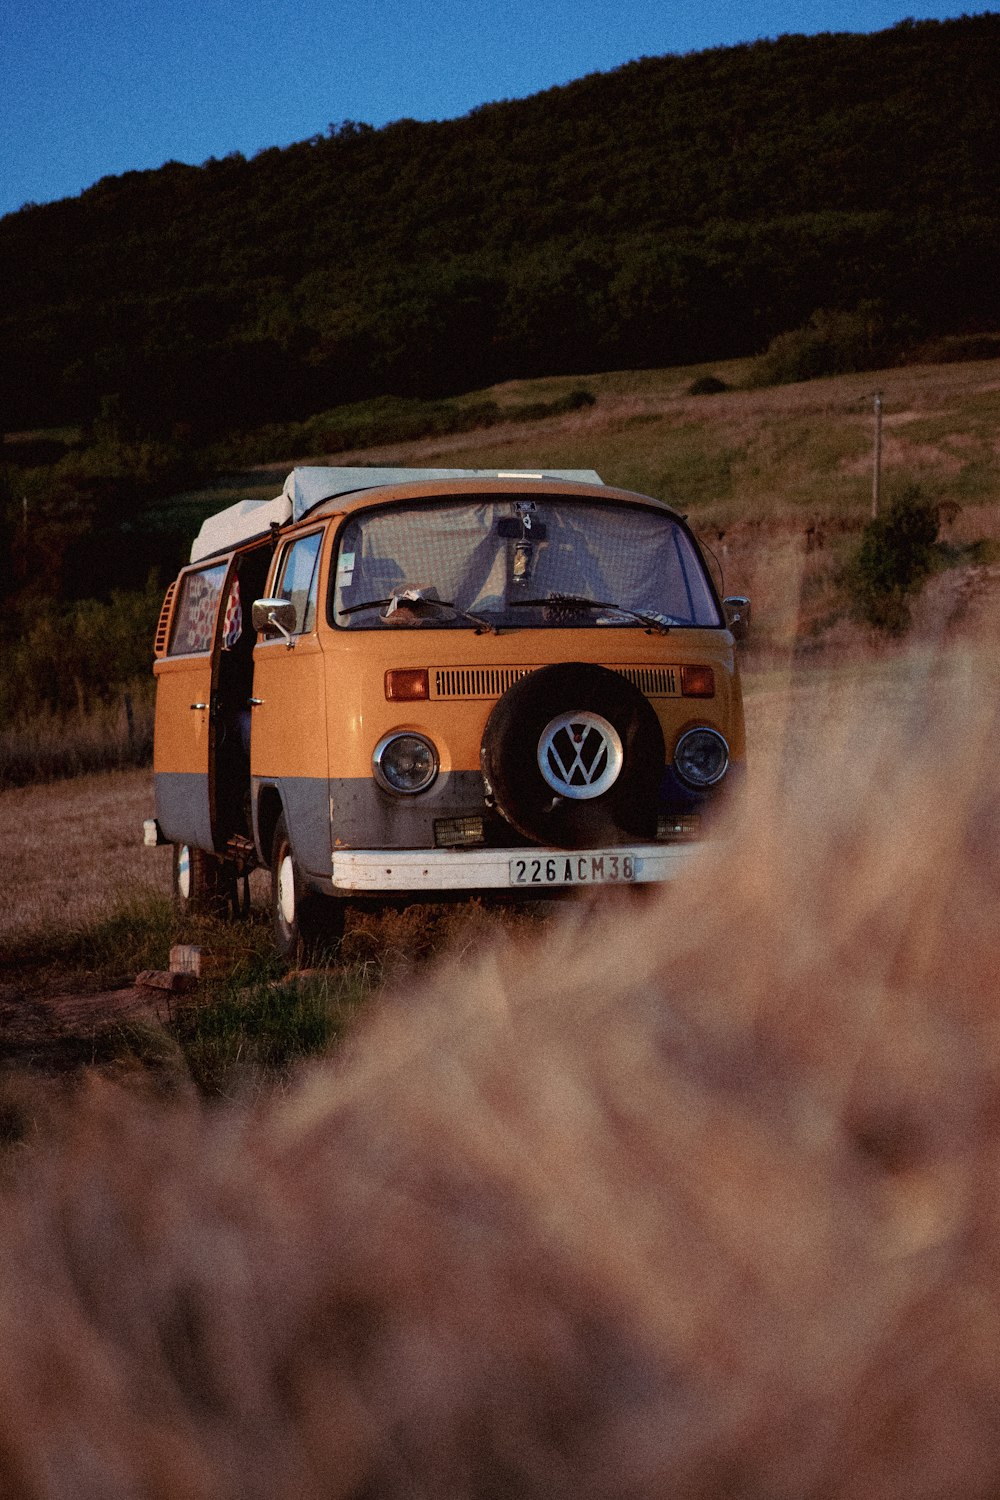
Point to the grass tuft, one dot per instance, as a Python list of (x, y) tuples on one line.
[(248, 1038), (100, 953)]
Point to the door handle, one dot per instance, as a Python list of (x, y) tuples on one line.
[(256, 702), (199, 705)]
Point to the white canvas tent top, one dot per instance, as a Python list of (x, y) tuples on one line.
[(308, 486), (239, 523)]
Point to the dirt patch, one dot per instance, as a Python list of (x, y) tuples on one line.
[(26, 1019), (56, 1036)]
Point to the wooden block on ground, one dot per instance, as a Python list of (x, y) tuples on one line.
[(185, 958)]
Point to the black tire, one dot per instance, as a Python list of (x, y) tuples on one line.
[(622, 813), (199, 882), (305, 922)]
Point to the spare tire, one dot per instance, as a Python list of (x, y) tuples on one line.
[(573, 757)]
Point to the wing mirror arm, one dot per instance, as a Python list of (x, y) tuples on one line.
[(275, 616), (737, 612)]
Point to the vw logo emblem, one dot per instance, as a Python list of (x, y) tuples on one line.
[(580, 754)]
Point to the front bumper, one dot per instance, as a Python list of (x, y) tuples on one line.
[(526, 870)]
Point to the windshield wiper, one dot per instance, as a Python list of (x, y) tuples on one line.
[(576, 602), (354, 609), (418, 606)]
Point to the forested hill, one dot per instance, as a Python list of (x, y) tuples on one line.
[(679, 208)]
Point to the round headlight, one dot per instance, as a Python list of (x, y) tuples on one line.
[(701, 757), (405, 763)]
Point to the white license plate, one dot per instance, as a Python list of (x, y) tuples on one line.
[(576, 869)]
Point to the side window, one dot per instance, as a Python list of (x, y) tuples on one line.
[(197, 609), (297, 579)]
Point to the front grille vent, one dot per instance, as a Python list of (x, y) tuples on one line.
[(493, 682), (652, 682), (475, 682)]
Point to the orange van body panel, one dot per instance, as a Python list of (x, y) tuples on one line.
[(289, 735), (358, 713), (181, 738)]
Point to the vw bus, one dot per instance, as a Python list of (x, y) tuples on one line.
[(395, 685)]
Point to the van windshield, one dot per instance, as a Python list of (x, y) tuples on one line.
[(517, 561)]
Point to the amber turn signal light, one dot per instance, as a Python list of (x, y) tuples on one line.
[(697, 682), (406, 684)]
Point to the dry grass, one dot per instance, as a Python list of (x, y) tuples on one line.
[(697, 1196), (798, 454), (47, 746), (72, 848), (75, 849)]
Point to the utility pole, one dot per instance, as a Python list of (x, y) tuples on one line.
[(877, 466), (22, 561)]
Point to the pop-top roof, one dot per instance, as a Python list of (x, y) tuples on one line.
[(239, 523), (308, 486)]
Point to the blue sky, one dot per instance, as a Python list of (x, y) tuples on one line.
[(92, 88)]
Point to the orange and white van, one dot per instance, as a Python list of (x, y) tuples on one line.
[(419, 684)]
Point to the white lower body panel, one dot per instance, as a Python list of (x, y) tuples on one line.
[(505, 869)]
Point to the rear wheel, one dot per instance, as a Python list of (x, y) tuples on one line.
[(199, 883), (305, 923)]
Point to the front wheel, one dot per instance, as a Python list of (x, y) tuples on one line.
[(304, 921)]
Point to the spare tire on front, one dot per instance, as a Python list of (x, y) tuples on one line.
[(573, 757)]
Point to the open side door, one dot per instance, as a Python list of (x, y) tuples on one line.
[(189, 645)]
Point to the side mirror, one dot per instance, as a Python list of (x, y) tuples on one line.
[(275, 617), (737, 611)]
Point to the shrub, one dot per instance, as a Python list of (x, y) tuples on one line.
[(386, 419), (894, 557), (707, 385), (833, 342), (74, 657), (954, 348)]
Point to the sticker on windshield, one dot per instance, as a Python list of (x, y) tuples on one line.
[(345, 568)]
